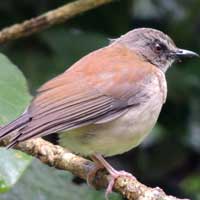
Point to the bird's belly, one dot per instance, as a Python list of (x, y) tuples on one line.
[(117, 136)]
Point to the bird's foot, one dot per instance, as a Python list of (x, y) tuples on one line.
[(100, 163), (113, 176)]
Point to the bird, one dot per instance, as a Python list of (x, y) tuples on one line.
[(107, 102)]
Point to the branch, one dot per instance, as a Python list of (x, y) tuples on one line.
[(48, 19), (59, 158)]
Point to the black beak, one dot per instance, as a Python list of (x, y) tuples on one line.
[(181, 53)]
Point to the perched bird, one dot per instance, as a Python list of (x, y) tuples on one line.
[(107, 102)]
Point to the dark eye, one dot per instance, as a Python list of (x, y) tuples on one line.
[(160, 47)]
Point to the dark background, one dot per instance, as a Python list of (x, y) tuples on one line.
[(170, 156)]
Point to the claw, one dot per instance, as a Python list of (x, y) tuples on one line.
[(115, 174), (100, 163)]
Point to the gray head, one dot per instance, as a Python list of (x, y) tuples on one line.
[(155, 46)]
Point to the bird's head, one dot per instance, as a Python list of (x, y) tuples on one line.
[(154, 46)]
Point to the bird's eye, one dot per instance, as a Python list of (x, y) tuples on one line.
[(159, 47)]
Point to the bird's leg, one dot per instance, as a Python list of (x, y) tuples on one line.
[(97, 158), (92, 173)]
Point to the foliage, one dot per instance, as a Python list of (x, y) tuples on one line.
[(14, 93)]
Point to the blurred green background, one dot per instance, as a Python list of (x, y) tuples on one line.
[(170, 156)]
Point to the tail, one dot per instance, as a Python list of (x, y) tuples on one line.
[(16, 124)]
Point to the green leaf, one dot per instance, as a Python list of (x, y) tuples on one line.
[(12, 165), (14, 98), (47, 183)]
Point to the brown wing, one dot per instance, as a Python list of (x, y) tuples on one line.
[(98, 88)]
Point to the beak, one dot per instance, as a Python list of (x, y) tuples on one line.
[(180, 53)]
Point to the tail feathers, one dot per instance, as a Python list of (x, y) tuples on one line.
[(18, 123)]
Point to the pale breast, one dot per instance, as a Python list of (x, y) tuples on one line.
[(124, 133)]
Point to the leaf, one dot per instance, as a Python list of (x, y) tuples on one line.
[(12, 165), (14, 98), (46, 183)]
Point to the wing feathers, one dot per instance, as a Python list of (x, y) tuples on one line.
[(67, 105), (75, 114), (60, 124)]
